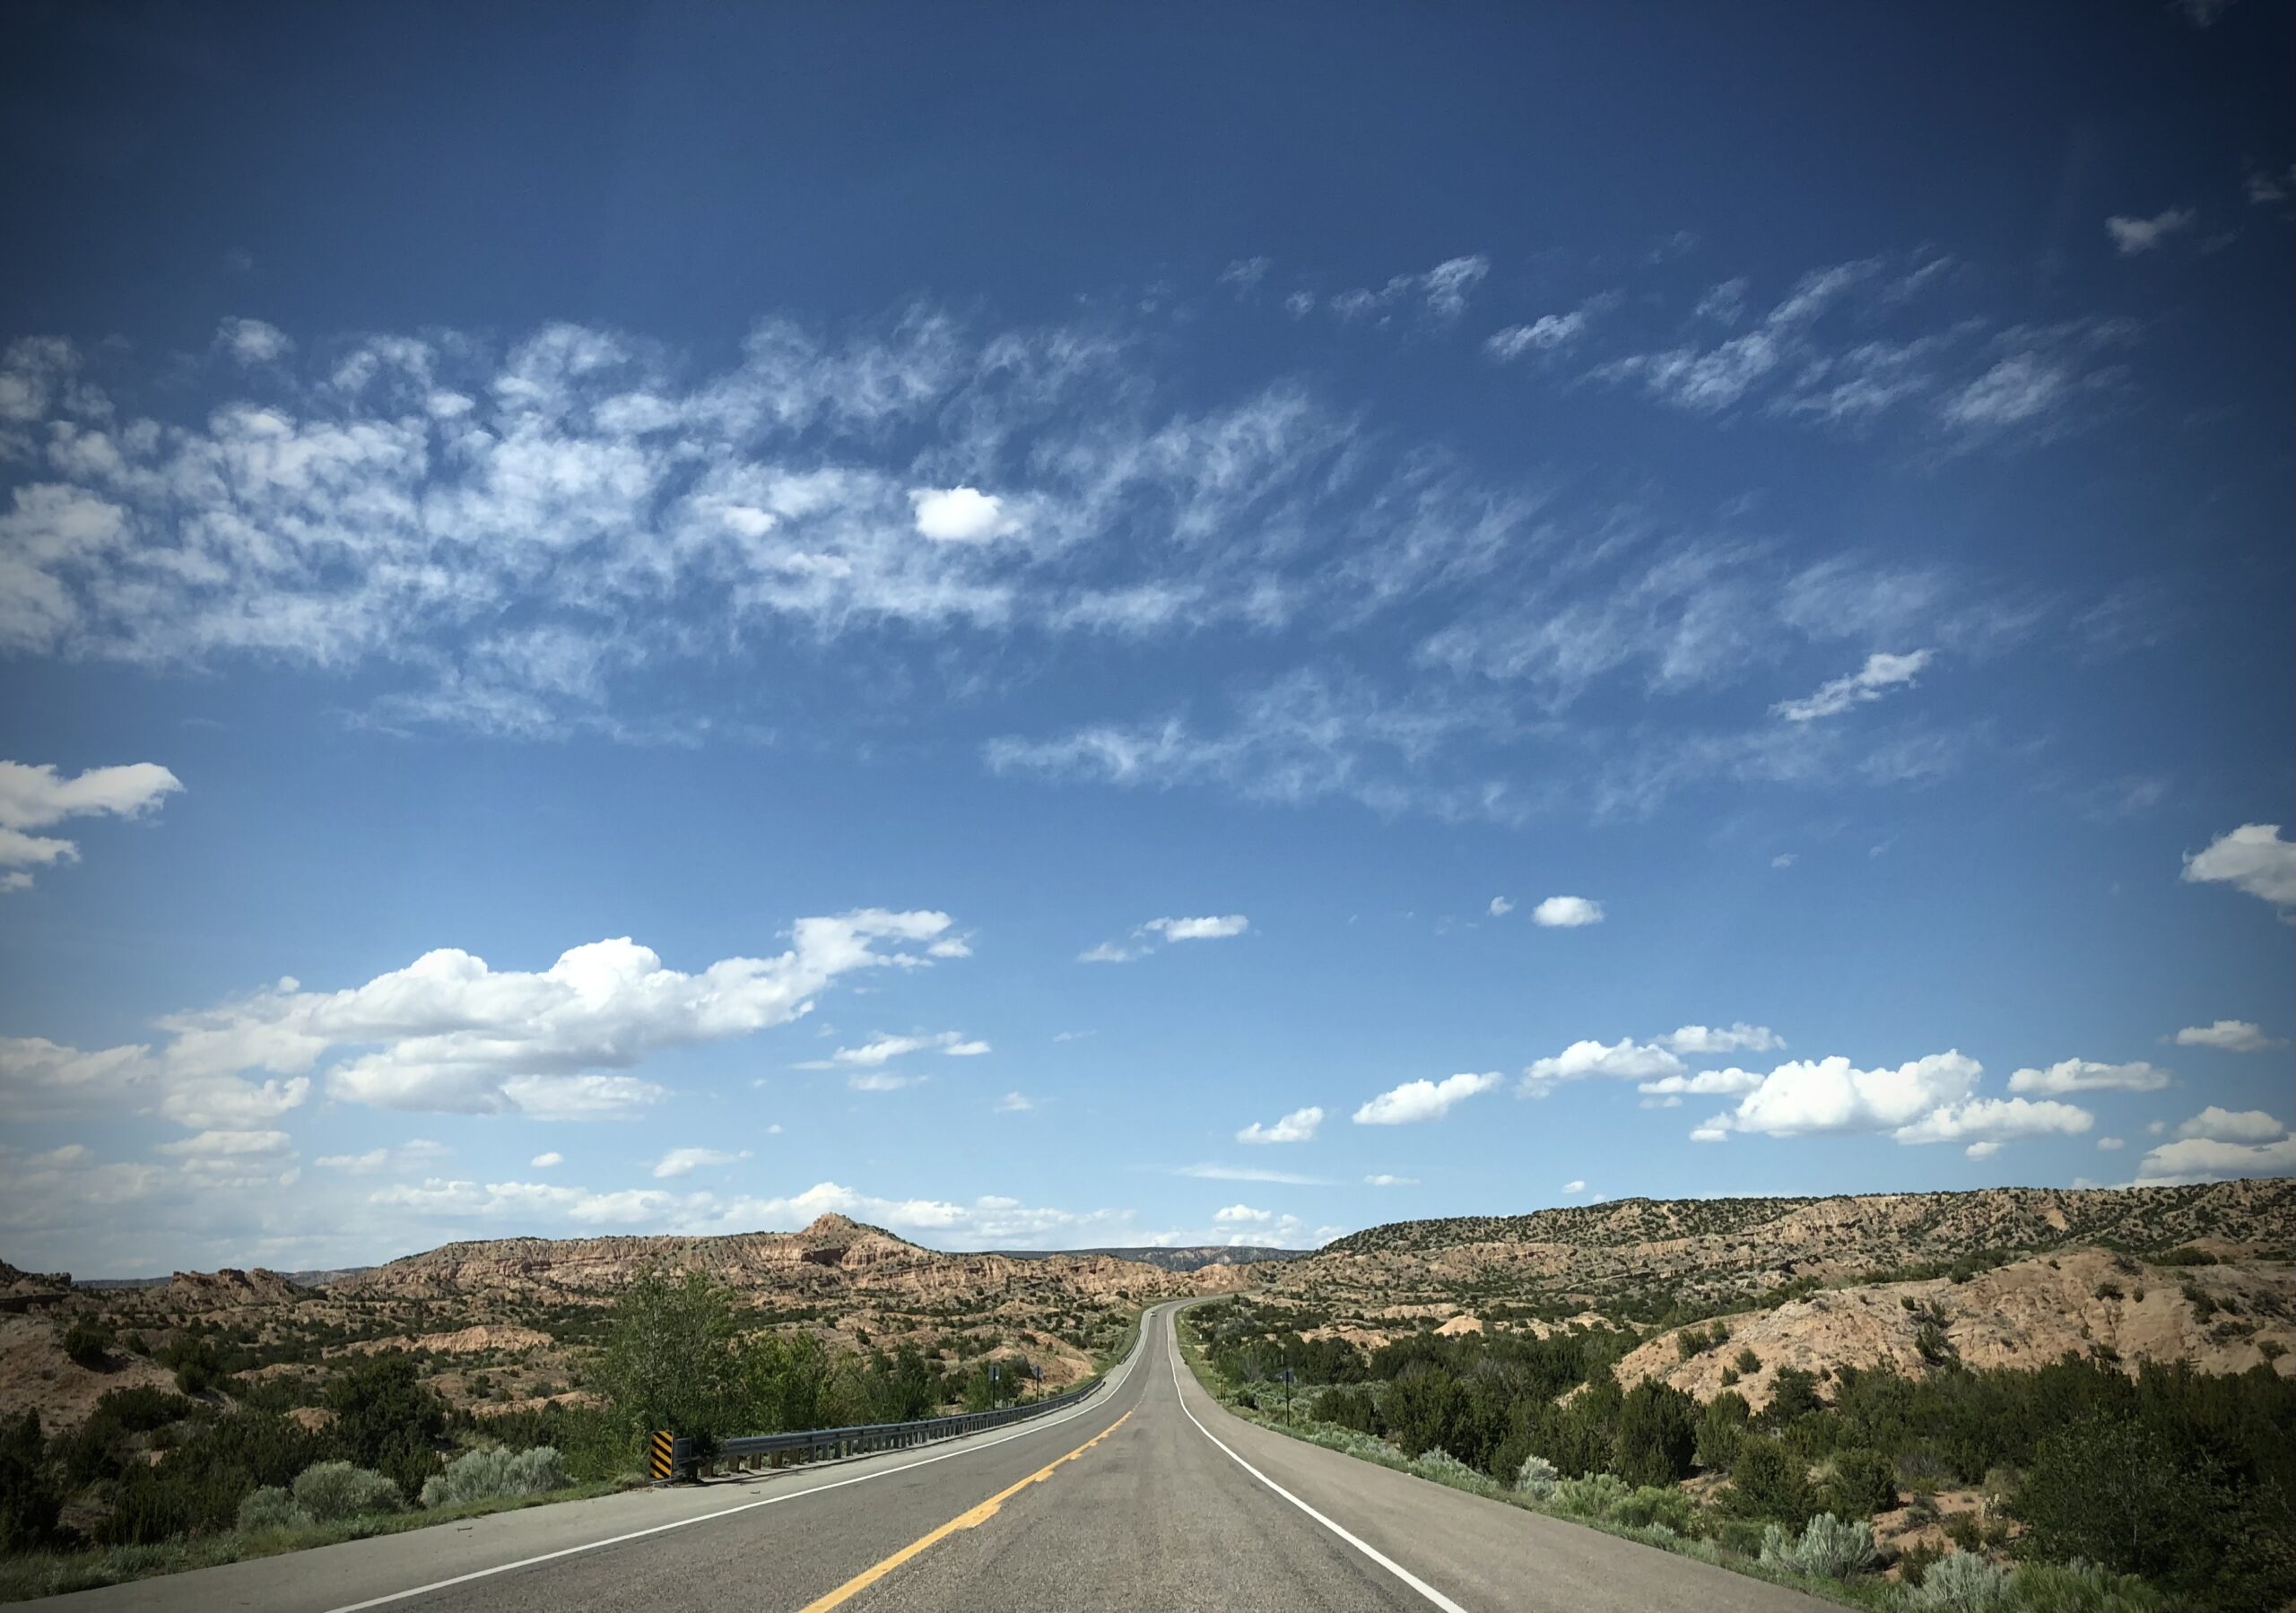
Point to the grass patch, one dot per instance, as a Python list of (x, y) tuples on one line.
[(55, 1573)]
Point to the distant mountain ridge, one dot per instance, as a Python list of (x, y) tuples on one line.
[(1189, 1257)]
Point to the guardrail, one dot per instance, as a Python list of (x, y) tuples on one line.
[(681, 1457)]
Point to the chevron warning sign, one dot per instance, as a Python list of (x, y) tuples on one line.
[(662, 1447)]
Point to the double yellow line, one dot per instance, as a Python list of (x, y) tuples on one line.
[(973, 1519)]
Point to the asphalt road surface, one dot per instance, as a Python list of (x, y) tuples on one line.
[(1148, 1495)]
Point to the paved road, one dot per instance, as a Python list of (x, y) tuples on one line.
[(1148, 1495)]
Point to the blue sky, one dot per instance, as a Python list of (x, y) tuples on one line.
[(1049, 629)]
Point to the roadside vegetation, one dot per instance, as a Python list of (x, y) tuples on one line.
[(2092, 1489), (223, 1468)]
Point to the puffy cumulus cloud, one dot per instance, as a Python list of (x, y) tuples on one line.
[(1297, 1126), (2229, 1035), (684, 1162), (1500, 907), (450, 1034), (1424, 1099), (1881, 673), (1235, 1213), (1738, 1037), (1574, 1187), (1995, 1120), (1566, 912), (2086, 1075), (2253, 858), (65, 1190), (1813, 1097), (2132, 236), (2216, 1145), (1625, 1060), (252, 340), (38, 797), (545, 1161), (2226, 1126), (959, 514), (882, 1050)]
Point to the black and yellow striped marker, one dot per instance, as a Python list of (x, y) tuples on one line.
[(662, 1446)]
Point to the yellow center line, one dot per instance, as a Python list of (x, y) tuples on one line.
[(973, 1519)]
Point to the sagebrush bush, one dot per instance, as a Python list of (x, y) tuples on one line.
[(1657, 1506), (1828, 1547), (1444, 1467), (1593, 1496), (1537, 1478), (1960, 1582), (272, 1507), (332, 1491), (484, 1475), (2078, 1588)]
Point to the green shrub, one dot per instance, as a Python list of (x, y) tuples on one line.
[(1654, 1505), (272, 1507), (1721, 1426), (333, 1491), (29, 1502), (388, 1420), (1793, 1393), (1960, 1582), (484, 1475), (2078, 1588), (1537, 1478), (1657, 1434), (1444, 1467), (1860, 1483), (1593, 1496), (88, 1342), (1769, 1481), (1828, 1547), (1749, 1363)]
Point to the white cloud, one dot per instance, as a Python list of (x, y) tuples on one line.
[(1500, 907), (1706, 1083), (1245, 274), (1574, 1187), (1994, 1119), (1785, 859), (420, 1150), (1199, 929), (2086, 1075), (1422, 1099), (2216, 1145), (253, 342), (1248, 1173), (1146, 938), (1567, 913), (2224, 1125), (1739, 1037), (2230, 1035), (1235, 1213), (684, 1162), (1625, 1060), (953, 1043), (1817, 1097), (450, 1034), (1982, 1150), (37, 797), (2112, 1144), (1383, 1179), (1548, 331), (2253, 858), (1014, 1102), (543, 1162), (1297, 1126), (2262, 189), (883, 1081), (1881, 673), (2132, 236), (219, 1145), (959, 514)]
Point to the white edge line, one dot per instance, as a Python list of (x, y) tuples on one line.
[(1365, 1546), (638, 1534)]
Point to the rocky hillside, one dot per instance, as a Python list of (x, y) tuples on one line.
[(1183, 1257), (1642, 1258)]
